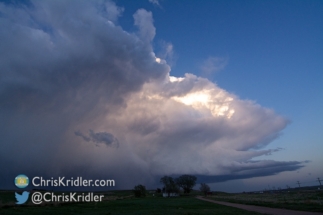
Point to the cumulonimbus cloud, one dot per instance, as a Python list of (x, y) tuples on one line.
[(68, 66)]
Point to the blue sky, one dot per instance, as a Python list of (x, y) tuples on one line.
[(274, 51), (274, 48), (102, 80)]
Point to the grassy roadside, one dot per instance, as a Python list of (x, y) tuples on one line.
[(292, 201)]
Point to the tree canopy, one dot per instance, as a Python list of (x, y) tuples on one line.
[(204, 188), (186, 182), (169, 184), (140, 191)]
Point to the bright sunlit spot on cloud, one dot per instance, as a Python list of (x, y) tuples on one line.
[(194, 98), (217, 103), (175, 79), (158, 60), (204, 100)]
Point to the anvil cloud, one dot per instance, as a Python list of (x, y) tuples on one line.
[(81, 96)]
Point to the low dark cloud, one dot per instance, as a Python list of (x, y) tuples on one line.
[(266, 168), (99, 137), (67, 67)]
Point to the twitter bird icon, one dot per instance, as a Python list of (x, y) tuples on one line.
[(21, 199)]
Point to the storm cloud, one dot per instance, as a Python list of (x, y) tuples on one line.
[(99, 137), (68, 67)]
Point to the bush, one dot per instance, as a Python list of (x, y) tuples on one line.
[(140, 191)]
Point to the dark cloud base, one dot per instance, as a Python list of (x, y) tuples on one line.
[(245, 174)]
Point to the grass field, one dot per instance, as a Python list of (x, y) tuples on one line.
[(121, 203), (298, 200)]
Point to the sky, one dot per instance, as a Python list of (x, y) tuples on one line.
[(229, 91)]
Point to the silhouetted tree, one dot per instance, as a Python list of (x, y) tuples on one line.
[(187, 182), (169, 185), (140, 191), (204, 188)]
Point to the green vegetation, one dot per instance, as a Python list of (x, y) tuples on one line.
[(170, 185), (299, 200), (186, 182), (204, 188), (139, 191), (117, 204)]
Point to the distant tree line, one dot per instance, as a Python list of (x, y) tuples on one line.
[(186, 182), (171, 185)]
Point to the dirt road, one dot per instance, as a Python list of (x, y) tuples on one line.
[(260, 209)]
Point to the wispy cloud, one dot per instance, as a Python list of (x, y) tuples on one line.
[(166, 52), (144, 21), (155, 2), (99, 137), (213, 64)]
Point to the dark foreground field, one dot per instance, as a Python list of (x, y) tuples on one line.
[(122, 203), (296, 200)]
